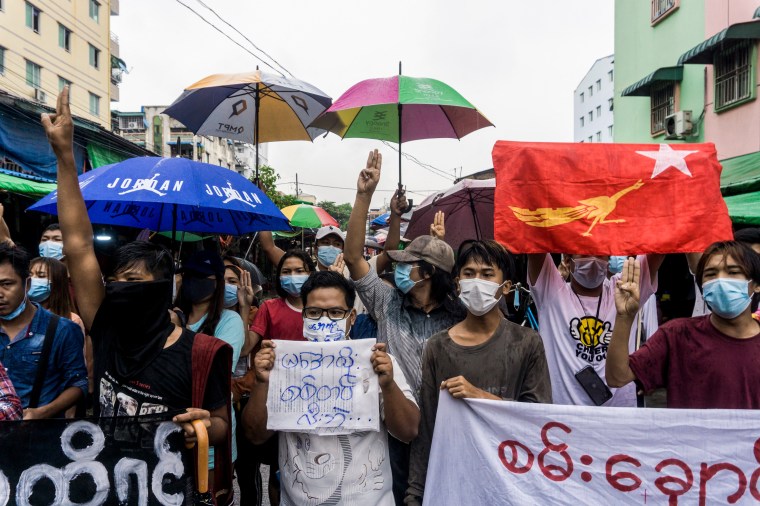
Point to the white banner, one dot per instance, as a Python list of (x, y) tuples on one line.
[(325, 388), (496, 452)]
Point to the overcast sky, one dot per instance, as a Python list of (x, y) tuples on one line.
[(518, 62)]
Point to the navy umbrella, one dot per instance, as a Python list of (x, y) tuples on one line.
[(173, 194)]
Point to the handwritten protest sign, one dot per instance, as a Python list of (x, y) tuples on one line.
[(129, 461), (547, 454), (324, 387)]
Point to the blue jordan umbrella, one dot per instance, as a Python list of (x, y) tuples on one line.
[(173, 194)]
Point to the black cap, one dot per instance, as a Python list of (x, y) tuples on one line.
[(204, 263)]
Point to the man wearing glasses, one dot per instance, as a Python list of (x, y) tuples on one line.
[(335, 469)]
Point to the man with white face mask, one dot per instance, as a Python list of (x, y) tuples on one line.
[(483, 357), (576, 321), (351, 469)]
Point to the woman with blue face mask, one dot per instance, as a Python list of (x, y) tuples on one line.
[(49, 287)]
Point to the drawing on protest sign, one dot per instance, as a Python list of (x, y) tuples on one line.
[(323, 387), (129, 461), (551, 454)]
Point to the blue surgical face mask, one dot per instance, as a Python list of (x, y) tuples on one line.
[(16, 312), (39, 290), (616, 264), (292, 284), (328, 254), (51, 249), (230, 295), (726, 297), (402, 277)]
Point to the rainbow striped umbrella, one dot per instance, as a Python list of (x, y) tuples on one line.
[(306, 216)]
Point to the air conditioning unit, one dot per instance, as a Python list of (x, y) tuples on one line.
[(678, 125), (39, 95), (132, 124)]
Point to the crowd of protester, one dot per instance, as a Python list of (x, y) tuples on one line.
[(129, 343)]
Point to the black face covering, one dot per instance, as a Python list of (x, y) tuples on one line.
[(197, 289), (134, 321)]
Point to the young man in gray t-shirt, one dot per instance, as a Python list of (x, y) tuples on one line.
[(483, 357)]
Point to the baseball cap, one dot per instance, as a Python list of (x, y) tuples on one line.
[(428, 248), (205, 263), (328, 230)]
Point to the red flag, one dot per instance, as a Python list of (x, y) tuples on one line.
[(608, 199)]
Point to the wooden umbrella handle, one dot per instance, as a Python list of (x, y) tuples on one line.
[(201, 435)]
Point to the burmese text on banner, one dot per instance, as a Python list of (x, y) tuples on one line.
[(520, 453), (608, 199)]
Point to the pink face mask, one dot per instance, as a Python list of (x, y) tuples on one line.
[(590, 272)]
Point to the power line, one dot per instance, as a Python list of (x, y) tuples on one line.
[(226, 35), (246, 38), (300, 183), (426, 166)]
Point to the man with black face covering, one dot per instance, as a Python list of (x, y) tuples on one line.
[(576, 320), (143, 362)]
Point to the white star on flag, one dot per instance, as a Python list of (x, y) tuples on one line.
[(668, 157)]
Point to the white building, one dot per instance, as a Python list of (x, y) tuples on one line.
[(592, 103)]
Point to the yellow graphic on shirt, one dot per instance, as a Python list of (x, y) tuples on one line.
[(594, 208), (593, 336)]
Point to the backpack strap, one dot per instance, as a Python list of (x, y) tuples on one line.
[(47, 346), (205, 350)]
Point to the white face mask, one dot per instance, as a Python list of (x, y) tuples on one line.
[(479, 295), (590, 272), (324, 329)]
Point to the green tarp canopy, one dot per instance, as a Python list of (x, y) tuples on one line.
[(703, 52), (744, 209), (100, 155), (286, 235), (642, 86), (741, 174), (25, 186)]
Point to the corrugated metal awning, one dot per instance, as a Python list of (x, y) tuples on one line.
[(641, 87), (703, 52)]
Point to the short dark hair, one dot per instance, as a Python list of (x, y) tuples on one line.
[(329, 279), (157, 259), (52, 227), (17, 257), (746, 257), (487, 252), (748, 235), (293, 253), (441, 282)]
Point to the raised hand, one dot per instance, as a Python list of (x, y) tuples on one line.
[(627, 296), (59, 127), (438, 228), (338, 265), (264, 361), (370, 176), (245, 289), (399, 203)]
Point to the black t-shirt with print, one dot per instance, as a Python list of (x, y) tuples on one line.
[(166, 385)]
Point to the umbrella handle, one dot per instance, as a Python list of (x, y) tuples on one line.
[(202, 463)]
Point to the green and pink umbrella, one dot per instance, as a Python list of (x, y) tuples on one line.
[(401, 109), (306, 216)]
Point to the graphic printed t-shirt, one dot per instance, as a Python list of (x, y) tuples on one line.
[(701, 367), (277, 319), (165, 385), (573, 335), (346, 470)]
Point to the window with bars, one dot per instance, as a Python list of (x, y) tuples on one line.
[(660, 8), (734, 76), (662, 103)]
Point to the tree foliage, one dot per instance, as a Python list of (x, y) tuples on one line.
[(269, 177), (341, 212)]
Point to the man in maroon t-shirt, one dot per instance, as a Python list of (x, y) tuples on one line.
[(709, 361)]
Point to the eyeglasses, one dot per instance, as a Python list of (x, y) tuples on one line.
[(333, 313)]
